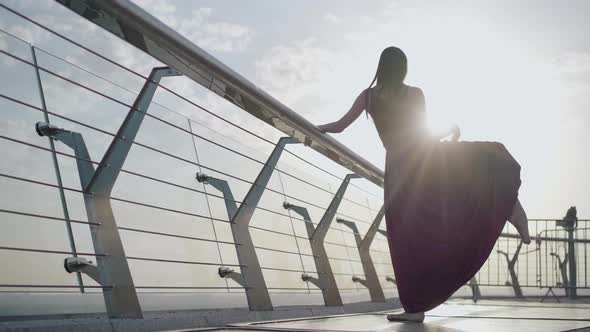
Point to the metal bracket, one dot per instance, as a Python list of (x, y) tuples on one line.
[(228, 197), (511, 265), (251, 272), (363, 245), (112, 268), (361, 281), (78, 264), (326, 282), (313, 280), (231, 208), (226, 272)]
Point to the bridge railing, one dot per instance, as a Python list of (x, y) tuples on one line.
[(126, 190), (541, 268), (178, 189)]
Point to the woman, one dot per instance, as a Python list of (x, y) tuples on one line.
[(446, 203)]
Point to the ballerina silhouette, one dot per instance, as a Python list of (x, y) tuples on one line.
[(446, 203)]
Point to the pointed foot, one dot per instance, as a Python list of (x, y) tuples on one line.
[(417, 317), (523, 231)]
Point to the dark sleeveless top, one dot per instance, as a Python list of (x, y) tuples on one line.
[(397, 117)]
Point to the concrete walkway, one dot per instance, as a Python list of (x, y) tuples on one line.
[(458, 315)]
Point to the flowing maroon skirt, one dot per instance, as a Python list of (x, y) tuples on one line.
[(445, 206)]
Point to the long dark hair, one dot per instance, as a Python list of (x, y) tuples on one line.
[(391, 71), (392, 68)]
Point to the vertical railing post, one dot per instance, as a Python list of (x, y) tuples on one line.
[(371, 280), (570, 223), (62, 195), (251, 276), (111, 270), (571, 252), (326, 281)]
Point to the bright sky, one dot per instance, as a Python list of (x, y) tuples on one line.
[(514, 72)]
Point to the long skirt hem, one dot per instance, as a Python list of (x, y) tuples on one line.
[(445, 207)]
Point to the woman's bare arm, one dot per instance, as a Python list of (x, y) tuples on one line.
[(338, 126)]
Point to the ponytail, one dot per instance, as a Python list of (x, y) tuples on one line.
[(367, 92)]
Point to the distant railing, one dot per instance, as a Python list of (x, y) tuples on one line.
[(139, 190), (544, 264)]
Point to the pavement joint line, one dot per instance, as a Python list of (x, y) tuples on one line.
[(288, 320), (523, 306), (272, 328), (513, 318)]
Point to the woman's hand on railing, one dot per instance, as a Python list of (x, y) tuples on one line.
[(332, 127), (323, 128)]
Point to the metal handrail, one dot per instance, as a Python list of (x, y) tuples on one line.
[(137, 27)]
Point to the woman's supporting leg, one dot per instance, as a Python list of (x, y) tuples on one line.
[(520, 222), (417, 317)]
